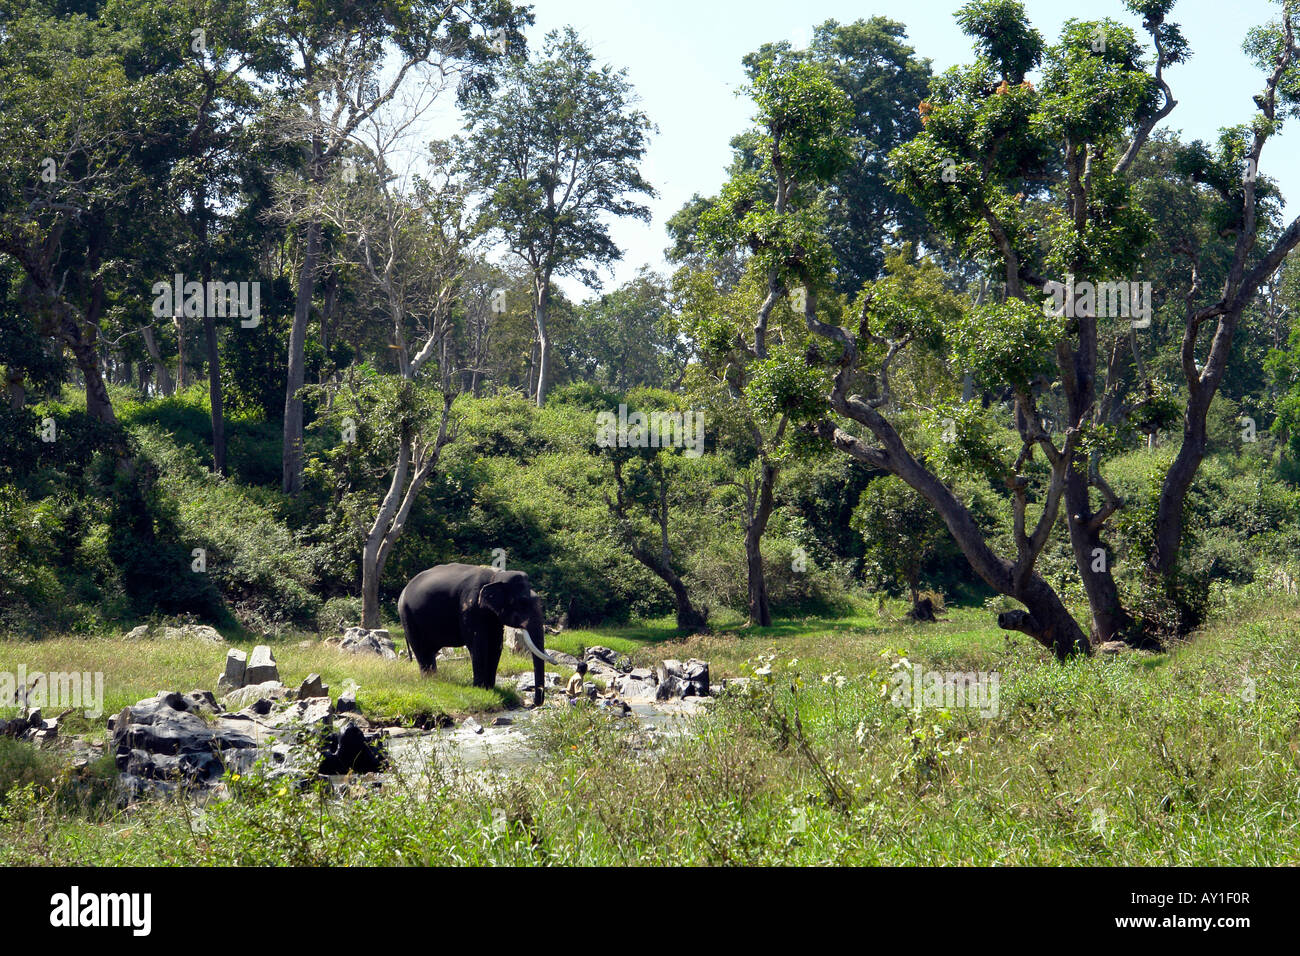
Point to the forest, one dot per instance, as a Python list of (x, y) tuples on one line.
[(988, 369)]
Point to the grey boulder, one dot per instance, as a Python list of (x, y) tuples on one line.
[(358, 640), (261, 666), (682, 679), (165, 738), (251, 693)]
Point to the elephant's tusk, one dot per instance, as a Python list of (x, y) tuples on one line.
[(536, 653)]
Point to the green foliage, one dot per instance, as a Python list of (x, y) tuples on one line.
[(785, 384), (1011, 342), (1002, 36), (963, 438), (22, 764), (801, 142), (883, 79), (902, 534), (626, 339), (556, 148)]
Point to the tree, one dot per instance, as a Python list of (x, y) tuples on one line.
[(1038, 183), (804, 118), (1283, 364), (885, 82), (556, 150), (411, 247), (901, 533), (650, 485), (1252, 264), (998, 134), (222, 104), (73, 143), (337, 81), (625, 341), (495, 330), (773, 214)]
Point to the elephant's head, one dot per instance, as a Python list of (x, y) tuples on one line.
[(514, 602)]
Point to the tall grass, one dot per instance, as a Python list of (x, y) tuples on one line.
[(1188, 757)]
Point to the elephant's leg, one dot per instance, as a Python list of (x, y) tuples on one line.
[(485, 655)]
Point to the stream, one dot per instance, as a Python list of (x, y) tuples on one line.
[(510, 747)]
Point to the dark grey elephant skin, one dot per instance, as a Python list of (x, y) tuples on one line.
[(466, 605)]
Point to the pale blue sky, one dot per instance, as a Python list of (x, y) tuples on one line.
[(683, 57)]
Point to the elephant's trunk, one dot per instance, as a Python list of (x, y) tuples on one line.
[(536, 643)]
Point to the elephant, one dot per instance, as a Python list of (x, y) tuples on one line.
[(465, 605)]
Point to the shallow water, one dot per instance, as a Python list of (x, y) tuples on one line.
[(511, 747)]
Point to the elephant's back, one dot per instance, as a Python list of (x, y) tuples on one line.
[(439, 585)]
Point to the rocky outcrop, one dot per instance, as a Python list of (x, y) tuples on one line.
[(243, 670), (250, 694), (174, 632), (358, 640), (191, 740), (670, 678), (349, 751), (166, 739), (313, 686), (524, 683), (306, 712), (640, 682), (682, 679), (33, 726)]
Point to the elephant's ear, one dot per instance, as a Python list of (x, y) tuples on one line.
[(492, 597)]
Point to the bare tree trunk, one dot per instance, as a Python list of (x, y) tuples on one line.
[(373, 552), (215, 397), (762, 504), (543, 358), (17, 389), (759, 612), (689, 618), (1109, 620), (293, 410), (182, 375), (162, 378), (1046, 619), (660, 562), (98, 405), (370, 574), (390, 521), (542, 307), (327, 310), (1094, 562), (1178, 480)]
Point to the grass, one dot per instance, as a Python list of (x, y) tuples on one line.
[(133, 670), (966, 634), (394, 690), (1188, 757)]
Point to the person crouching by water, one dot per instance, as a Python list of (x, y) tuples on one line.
[(573, 690)]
